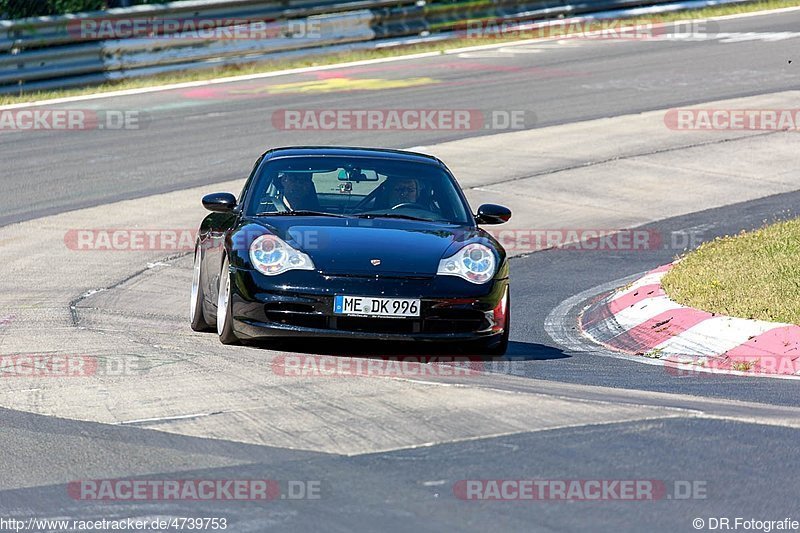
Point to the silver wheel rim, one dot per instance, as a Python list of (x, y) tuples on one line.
[(195, 286), (222, 301)]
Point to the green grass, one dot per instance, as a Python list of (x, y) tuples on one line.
[(751, 275), (327, 59)]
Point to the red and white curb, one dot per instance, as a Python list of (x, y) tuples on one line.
[(641, 319)]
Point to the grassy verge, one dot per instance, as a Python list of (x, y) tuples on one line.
[(750, 275), (328, 59)]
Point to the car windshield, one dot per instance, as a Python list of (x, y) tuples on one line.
[(357, 187)]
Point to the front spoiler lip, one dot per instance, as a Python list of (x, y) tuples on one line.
[(253, 329)]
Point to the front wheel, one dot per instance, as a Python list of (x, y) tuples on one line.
[(224, 312), (500, 347), (197, 317)]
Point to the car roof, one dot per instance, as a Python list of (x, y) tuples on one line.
[(351, 151)]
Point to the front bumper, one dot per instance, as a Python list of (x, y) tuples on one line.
[(300, 304)]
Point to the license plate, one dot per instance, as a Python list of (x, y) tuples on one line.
[(367, 306)]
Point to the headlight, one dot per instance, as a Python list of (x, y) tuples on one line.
[(272, 256), (474, 262)]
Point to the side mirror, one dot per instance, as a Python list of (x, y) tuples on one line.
[(220, 202), (492, 214)]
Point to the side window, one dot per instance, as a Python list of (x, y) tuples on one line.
[(249, 180), (268, 197)]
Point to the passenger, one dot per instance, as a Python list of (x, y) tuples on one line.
[(402, 191)]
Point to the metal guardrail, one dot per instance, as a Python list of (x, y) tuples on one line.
[(53, 52)]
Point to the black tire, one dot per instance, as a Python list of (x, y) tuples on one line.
[(500, 347), (224, 308), (197, 317)]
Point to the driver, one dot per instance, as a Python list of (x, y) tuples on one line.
[(403, 191), (298, 191)]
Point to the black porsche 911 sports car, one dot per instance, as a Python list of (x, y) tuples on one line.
[(351, 242)]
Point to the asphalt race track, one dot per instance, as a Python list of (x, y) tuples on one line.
[(215, 132), (393, 453)]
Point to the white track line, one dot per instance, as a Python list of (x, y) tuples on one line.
[(214, 81)]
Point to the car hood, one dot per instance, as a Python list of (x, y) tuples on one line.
[(351, 246)]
